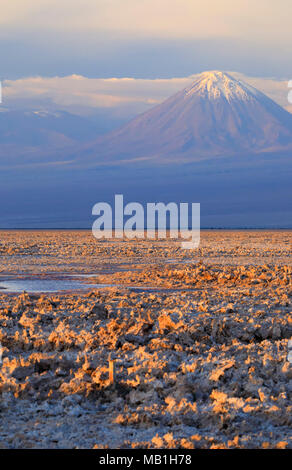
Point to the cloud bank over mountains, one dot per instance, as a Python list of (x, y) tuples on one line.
[(120, 97)]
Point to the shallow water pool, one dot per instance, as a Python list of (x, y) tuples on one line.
[(45, 285)]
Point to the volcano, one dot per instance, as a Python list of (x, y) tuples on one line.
[(216, 115)]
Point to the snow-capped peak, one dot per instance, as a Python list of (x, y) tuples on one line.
[(215, 84)]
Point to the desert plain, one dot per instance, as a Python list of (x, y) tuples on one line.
[(149, 345)]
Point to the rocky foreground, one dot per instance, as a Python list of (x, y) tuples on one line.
[(200, 361)]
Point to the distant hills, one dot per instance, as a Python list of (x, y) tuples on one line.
[(38, 136)]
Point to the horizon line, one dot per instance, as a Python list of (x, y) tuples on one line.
[(90, 229)]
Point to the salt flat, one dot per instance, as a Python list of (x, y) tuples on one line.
[(200, 344)]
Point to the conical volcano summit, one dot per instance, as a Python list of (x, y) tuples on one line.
[(216, 115)]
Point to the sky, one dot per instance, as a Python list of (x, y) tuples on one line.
[(124, 56), (166, 18), (144, 38), (120, 57)]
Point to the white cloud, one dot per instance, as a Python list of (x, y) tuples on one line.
[(78, 94), (125, 96)]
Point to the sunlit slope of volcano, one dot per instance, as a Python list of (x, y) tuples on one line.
[(216, 115)]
